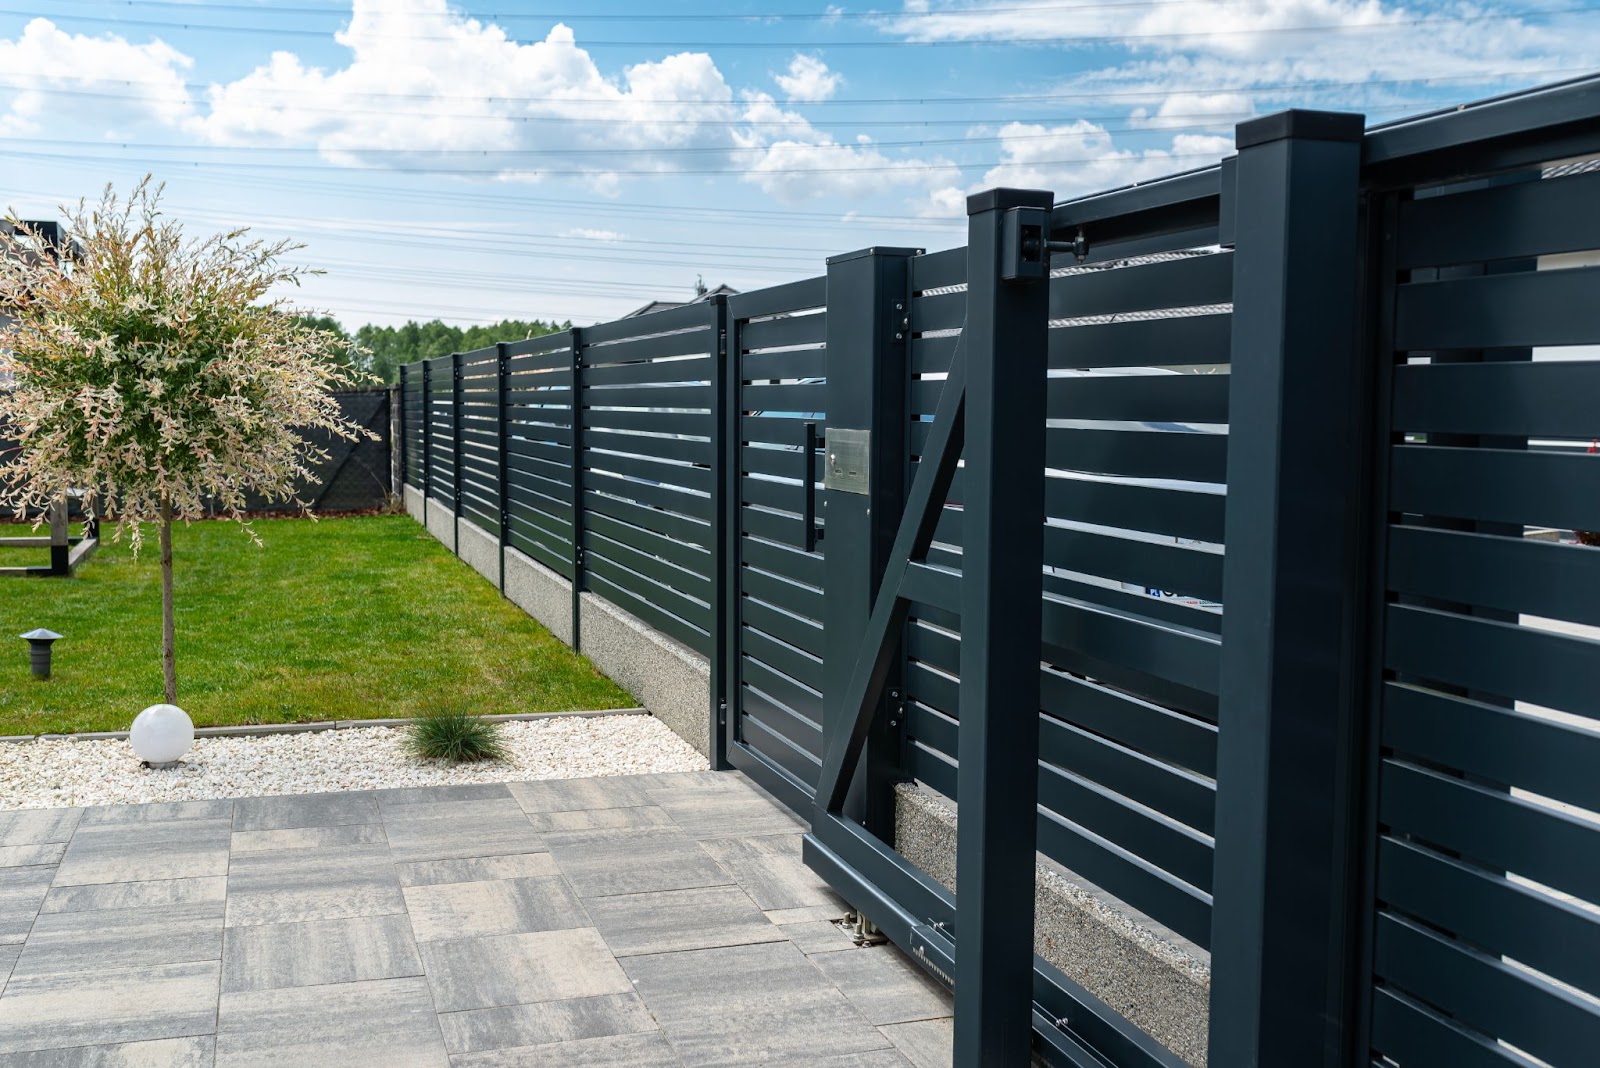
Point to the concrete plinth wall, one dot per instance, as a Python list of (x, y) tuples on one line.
[(441, 522), (672, 681), (1155, 978), (540, 592), (415, 503), (478, 549)]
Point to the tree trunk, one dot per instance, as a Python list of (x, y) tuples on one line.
[(169, 667)]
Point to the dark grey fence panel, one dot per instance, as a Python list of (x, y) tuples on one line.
[(648, 446), (776, 344), (441, 424), (479, 438), (413, 425), (1486, 713), (538, 413)]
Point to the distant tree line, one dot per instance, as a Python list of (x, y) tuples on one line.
[(384, 348)]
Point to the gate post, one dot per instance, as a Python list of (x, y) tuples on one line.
[(1291, 684), (1006, 338), (869, 301)]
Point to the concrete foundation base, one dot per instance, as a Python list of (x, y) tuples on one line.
[(540, 592), (441, 522), (479, 549), (1152, 976), (671, 681), (415, 503)]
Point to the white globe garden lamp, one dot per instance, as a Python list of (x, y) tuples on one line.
[(161, 734)]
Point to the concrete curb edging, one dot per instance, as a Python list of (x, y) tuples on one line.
[(245, 730)]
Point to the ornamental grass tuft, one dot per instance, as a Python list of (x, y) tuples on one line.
[(457, 737)]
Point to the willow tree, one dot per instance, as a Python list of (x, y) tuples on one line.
[(164, 377)]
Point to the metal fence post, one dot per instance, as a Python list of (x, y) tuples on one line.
[(724, 506), (455, 444), (427, 439), (577, 487), (502, 364), (867, 330), (399, 435), (1006, 338), (1291, 681)]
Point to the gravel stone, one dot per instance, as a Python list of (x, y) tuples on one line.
[(63, 771)]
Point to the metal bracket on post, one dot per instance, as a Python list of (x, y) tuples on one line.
[(1024, 244)]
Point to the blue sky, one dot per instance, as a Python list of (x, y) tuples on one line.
[(488, 159)]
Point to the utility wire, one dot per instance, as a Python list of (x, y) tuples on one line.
[(1103, 38)]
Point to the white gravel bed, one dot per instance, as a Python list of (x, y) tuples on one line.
[(66, 772)]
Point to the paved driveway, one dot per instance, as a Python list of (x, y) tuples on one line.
[(643, 921)]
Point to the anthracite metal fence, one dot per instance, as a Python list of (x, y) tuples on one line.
[(1181, 533)]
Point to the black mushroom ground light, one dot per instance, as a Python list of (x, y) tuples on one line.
[(39, 642)]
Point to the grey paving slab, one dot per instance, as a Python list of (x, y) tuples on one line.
[(38, 826), (414, 795), (8, 957), (665, 921), (720, 811), (816, 1034), (140, 852), (571, 795), (925, 1043), (156, 1053), (636, 863), (79, 943), (884, 985), (494, 828), (107, 1006), (465, 812), (294, 885), (513, 1026), (161, 812), (478, 973), (304, 810), (28, 856), (318, 953), (344, 836), (770, 868), (594, 824), (477, 869), (492, 907), (22, 893), (772, 977), (154, 893), (615, 1051), (386, 1023)]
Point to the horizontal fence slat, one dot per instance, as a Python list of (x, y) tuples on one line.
[(789, 297), (790, 332), (1172, 342), (1183, 457), (1516, 574), (1521, 662), (1515, 398), (1515, 221), (1500, 311), (1530, 487), (1174, 568), (1191, 281)]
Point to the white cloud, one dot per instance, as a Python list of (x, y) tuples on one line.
[(44, 57), (809, 79)]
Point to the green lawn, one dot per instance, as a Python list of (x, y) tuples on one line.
[(338, 619)]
